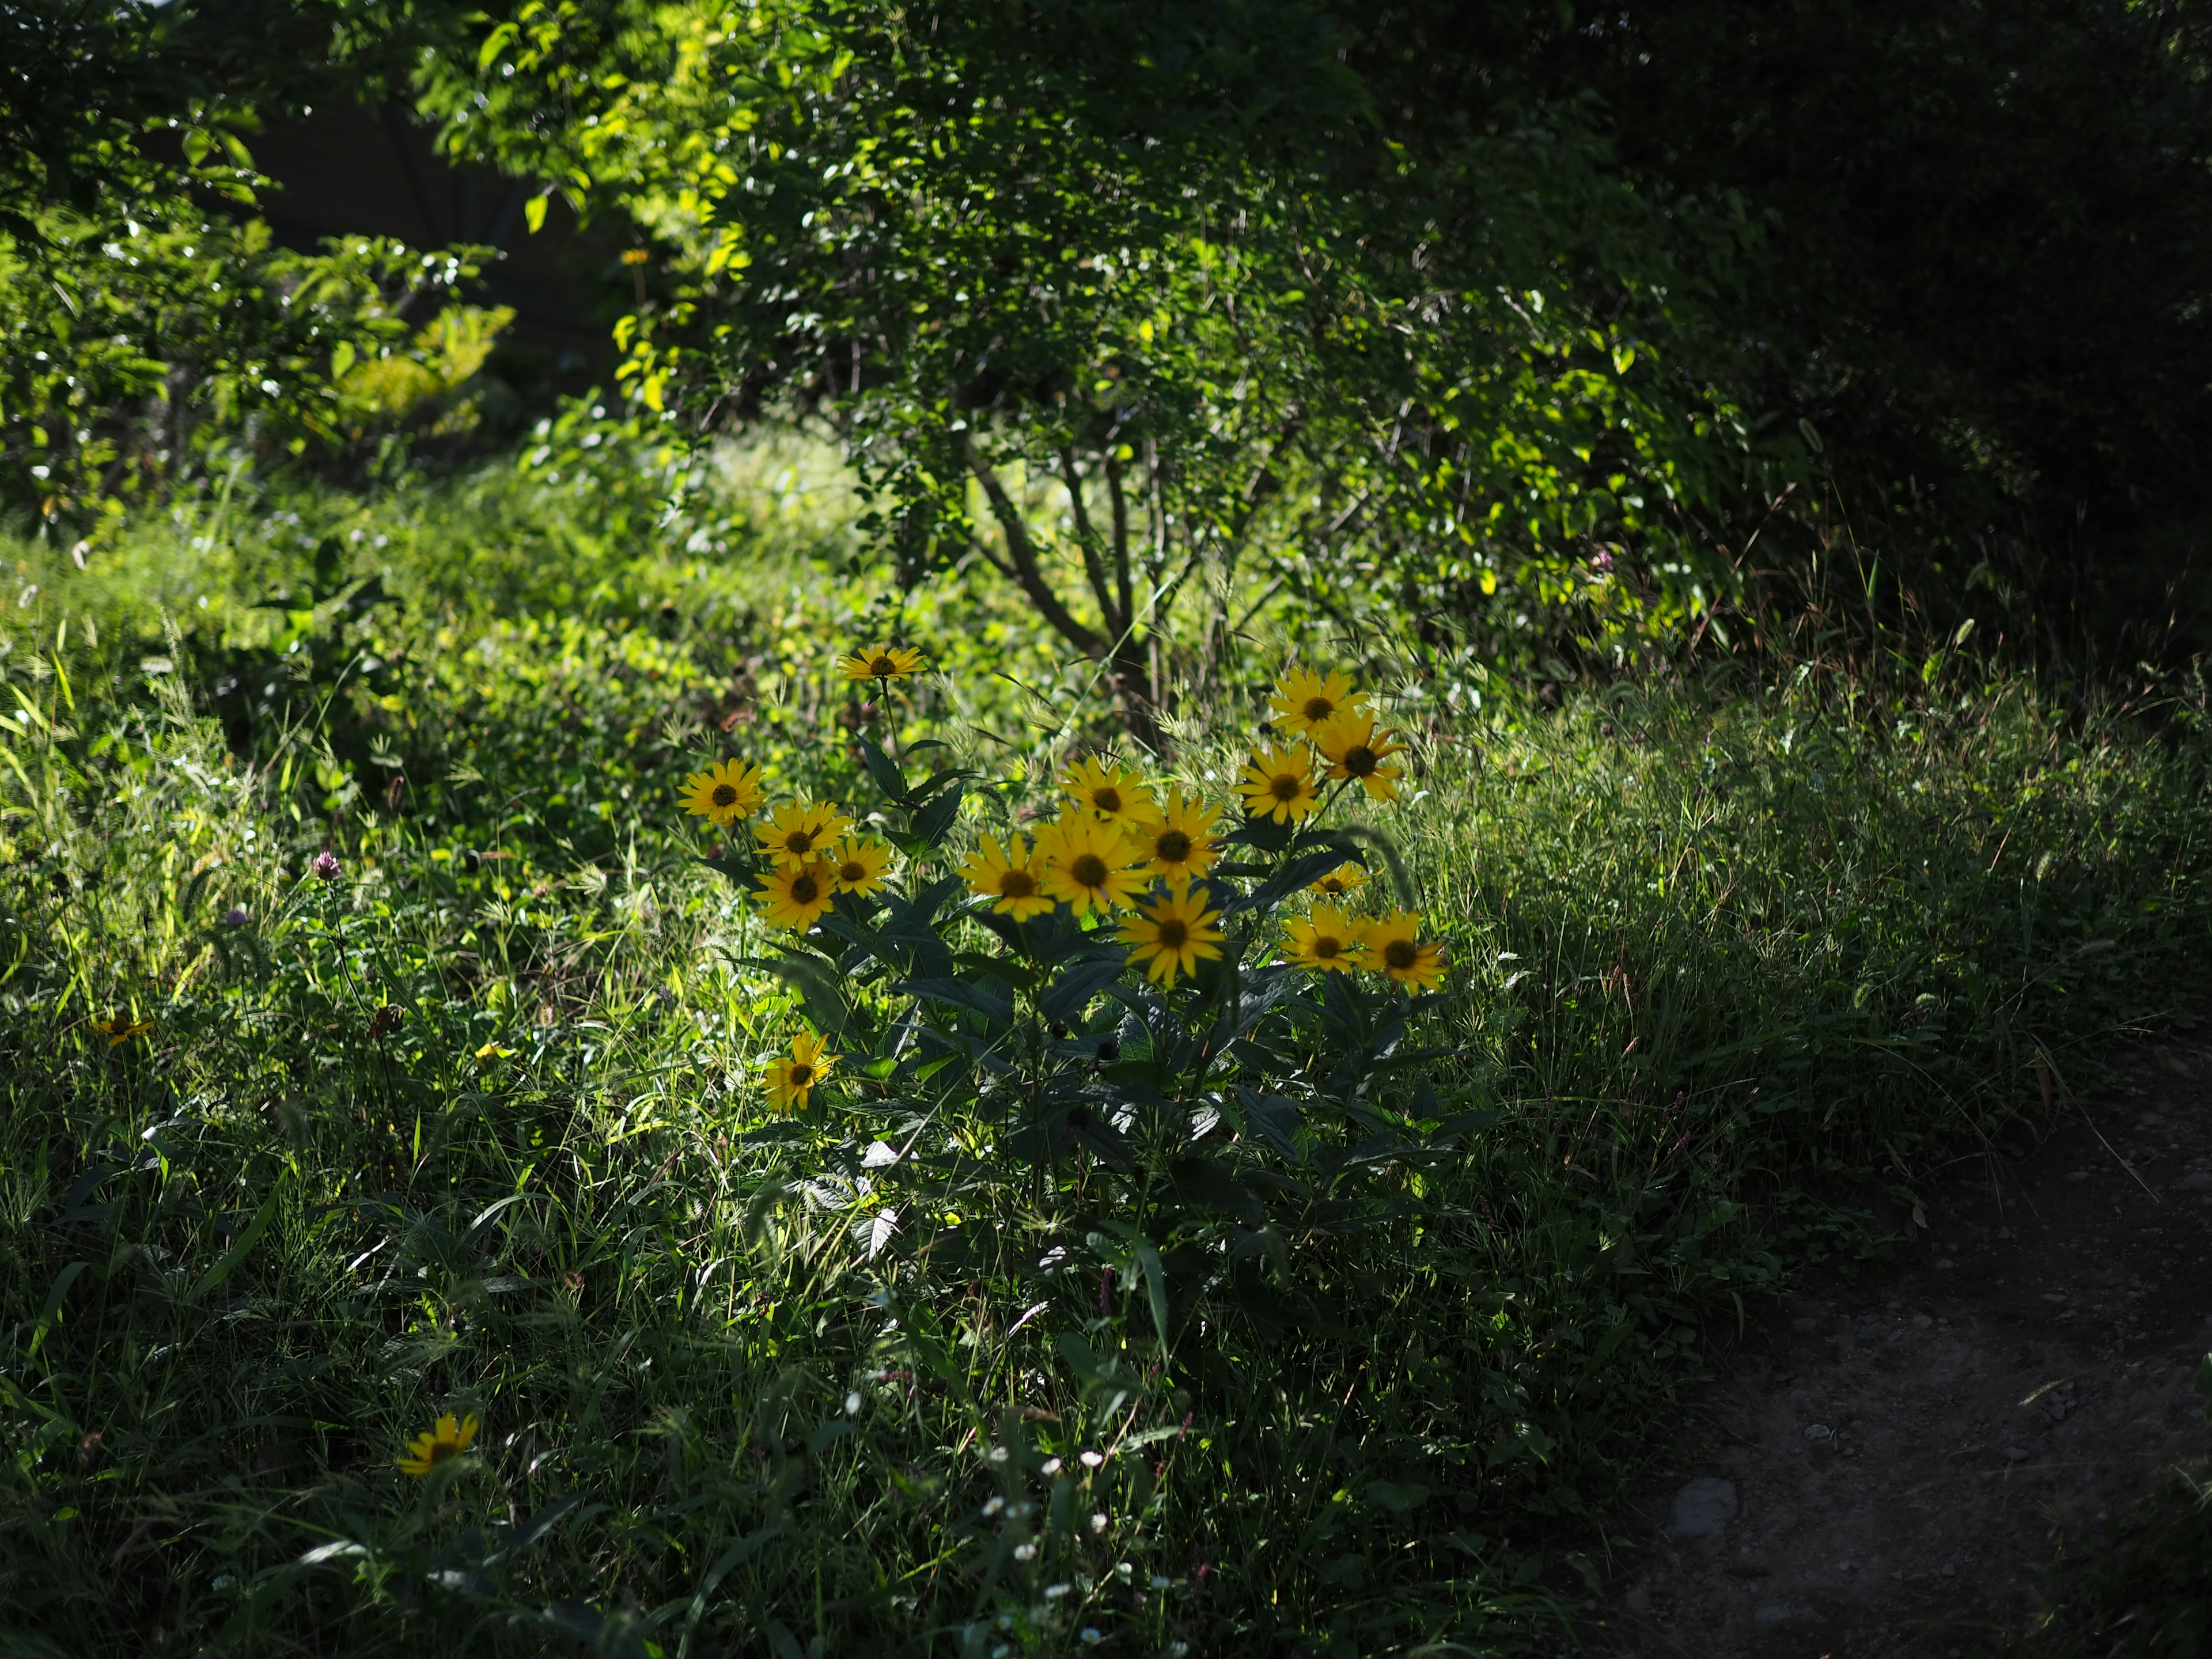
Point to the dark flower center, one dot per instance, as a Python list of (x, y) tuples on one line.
[(805, 890), (1331, 885), (442, 1449), (1401, 954), (1319, 709), (1089, 870), (1359, 761), (802, 1077), (1108, 800), (852, 872), (1172, 847), (1016, 884), (798, 840), (1325, 947), (1286, 786), (1173, 935), (724, 795), (883, 668)]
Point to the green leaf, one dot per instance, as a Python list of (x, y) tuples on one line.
[(237, 1253), (959, 993)]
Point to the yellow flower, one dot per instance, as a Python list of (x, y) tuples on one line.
[(1180, 844), (448, 1440), (1328, 939), (1304, 701), (1116, 796), (725, 792), (1172, 937), (1009, 875), (1355, 750), (1087, 862), (492, 1051), (120, 1031), (789, 1077), (857, 865), (1346, 878), (797, 835), (795, 898), (880, 662), (1278, 784), (1394, 948)]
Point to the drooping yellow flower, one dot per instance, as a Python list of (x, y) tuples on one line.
[(795, 898), (1356, 750), (1009, 875), (1327, 939), (1278, 784), (120, 1031), (1394, 947), (1303, 700), (789, 1077), (857, 865), (1087, 862), (1116, 796), (724, 793), (1346, 878), (880, 662), (1181, 844), (1172, 937), (800, 832), (449, 1439)]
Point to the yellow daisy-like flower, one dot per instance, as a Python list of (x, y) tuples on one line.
[(1278, 784), (1181, 843), (1394, 947), (119, 1030), (1009, 875), (724, 793), (448, 1440), (1304, 701), (798, 834), (1116, 796), (1087, 863), (1172, 937), (789, 1077), (1328, 939), (857, 865), (795, 898), (880, 662), (1356, 750), (1347, 878)]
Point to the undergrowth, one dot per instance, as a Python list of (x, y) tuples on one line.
[(1729, 957)]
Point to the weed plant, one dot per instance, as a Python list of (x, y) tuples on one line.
[(299, 1155)]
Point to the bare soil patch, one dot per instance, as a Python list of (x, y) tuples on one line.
[(1885, 1467)]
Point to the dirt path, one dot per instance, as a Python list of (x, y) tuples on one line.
[(1879, 1470)]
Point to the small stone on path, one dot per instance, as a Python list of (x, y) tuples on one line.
[(1703, 1508)]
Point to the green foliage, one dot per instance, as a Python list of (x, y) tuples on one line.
[(1715, 946), (147, 354), (1174, 271)]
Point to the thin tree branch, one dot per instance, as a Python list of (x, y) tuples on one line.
[(1118, 623), (1023, 555), (1120, 500)]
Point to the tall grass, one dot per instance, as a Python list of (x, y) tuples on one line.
[(1730, 957)]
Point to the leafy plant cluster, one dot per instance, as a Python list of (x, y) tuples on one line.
[(439, 1105)]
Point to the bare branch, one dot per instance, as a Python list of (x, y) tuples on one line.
[(1022, 567), (1087, 538)]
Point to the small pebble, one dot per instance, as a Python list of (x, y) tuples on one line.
[(2013, 1455), (1920, 1322), (1943, 1264)]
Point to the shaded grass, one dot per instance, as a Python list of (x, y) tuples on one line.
[(1727, 953)]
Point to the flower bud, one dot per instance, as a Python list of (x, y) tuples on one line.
[(326, 865)]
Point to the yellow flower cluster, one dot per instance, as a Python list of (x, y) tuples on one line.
[(1116, 837), (1113, 840), (813, 854)]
